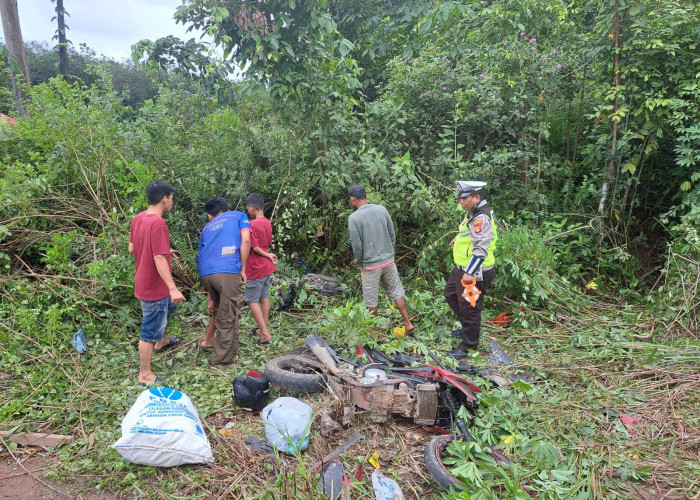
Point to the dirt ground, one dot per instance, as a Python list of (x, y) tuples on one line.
[(25, 479)]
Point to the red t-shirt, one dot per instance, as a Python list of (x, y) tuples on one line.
[(150, 236), (258, 266)]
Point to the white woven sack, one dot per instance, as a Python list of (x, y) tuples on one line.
[(163, 429)]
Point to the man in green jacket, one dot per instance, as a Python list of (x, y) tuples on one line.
[(473, 251), (373, 238)]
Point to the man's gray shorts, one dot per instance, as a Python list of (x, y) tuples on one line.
[(388, 277), (257, 289)]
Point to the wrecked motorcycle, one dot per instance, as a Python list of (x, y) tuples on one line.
[(318, 283), (430, 395)]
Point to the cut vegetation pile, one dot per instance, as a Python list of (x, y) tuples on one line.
[(564, 431)]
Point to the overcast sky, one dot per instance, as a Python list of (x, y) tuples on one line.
[(109, 27)]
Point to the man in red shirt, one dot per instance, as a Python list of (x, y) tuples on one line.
[(149, 242), (259, 268)]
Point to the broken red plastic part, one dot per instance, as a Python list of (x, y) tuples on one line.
[(628, 420), (435, 430), (358, 472), (502, 319)]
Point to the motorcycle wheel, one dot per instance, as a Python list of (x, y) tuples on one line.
[(296, 373), (434, 451)]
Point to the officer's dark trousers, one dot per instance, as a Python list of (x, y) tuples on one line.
[(469, 316)]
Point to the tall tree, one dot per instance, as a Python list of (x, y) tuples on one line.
[(612, 166), (15, 46), (62, 40), (296, 50)]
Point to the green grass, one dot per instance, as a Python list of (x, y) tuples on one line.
[(563, 430)]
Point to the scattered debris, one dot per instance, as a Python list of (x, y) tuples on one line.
[(79, 341), (488, 373), (528, 377), (413, 437), (331, 479), (259, 445), (36, 438), (287, 424), (328, 425), (505, 319), (325, 285), (502, 319), (251, 392), (630, 420), (348, 415), (358, 473), (225, 432), (374, 459), (399, 331), (341, 448), (385, 488), (498, 356)]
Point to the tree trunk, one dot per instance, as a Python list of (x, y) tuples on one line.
[(570, 98), (15, 46), (613, 152), (578, 120), (62, 40)]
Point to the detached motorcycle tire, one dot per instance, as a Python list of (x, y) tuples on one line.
[(434, 451), (297, 373)]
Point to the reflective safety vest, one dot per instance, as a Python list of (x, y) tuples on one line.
[(463, 248)]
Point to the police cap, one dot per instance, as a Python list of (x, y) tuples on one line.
[(465, 188)]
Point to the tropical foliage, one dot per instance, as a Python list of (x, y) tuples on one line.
[(582, 117)]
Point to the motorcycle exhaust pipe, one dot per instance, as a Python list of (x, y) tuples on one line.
[(324, 354), (322, 351)]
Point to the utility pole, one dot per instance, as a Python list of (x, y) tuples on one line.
[(62, 40)]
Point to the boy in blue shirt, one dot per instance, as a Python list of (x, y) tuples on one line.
[(223, 251)]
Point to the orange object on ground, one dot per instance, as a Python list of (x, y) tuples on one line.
[(502, 319), (471, 292)]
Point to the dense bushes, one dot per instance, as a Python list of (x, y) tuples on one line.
[(599, 290), (482, 93)]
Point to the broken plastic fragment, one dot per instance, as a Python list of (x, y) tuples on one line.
[(79, 341), (374, 459)]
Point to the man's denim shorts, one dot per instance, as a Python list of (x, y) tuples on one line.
[(155, 318)]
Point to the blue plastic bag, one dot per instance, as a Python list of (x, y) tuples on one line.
[(79, 341)]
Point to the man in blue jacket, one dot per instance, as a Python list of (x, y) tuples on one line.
[(223, 251)]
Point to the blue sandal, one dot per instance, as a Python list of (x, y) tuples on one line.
[(265, 344), (158, 380), (173, 342)]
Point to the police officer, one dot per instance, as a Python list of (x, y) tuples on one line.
[(473, 251)]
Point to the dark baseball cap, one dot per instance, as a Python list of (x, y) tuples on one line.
[(357, 191)]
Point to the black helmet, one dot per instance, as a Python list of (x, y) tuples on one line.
[(251, 391)]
